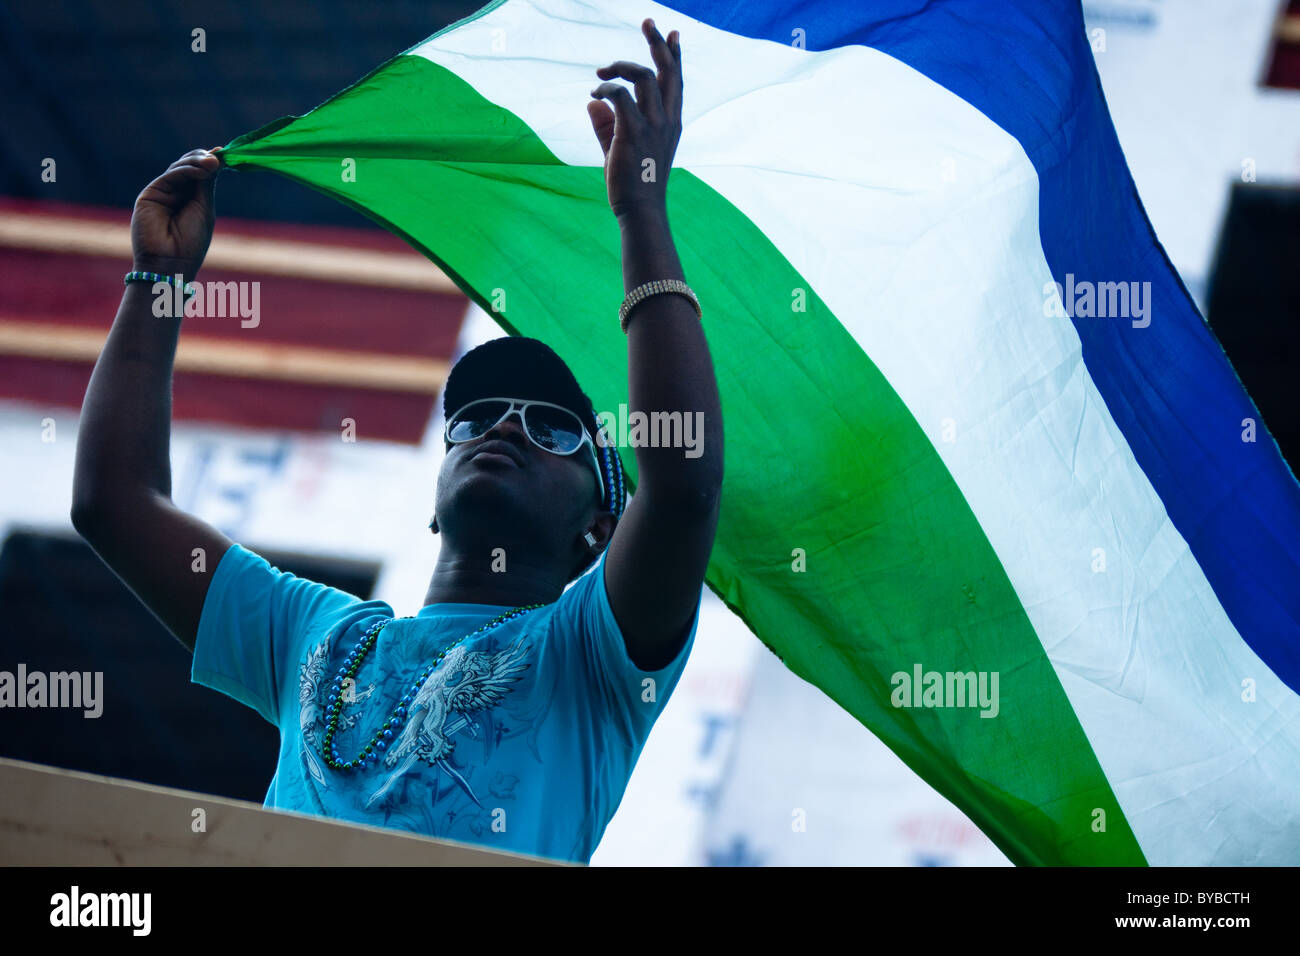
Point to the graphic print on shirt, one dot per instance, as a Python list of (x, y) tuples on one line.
[(465, 683), (467, 695), (309, 685)]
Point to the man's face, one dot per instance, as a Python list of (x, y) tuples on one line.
[(506, 476)]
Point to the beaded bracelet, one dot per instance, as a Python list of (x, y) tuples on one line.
[(647, 289), (176, 281)]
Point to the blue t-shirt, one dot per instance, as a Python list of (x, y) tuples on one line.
[(522, 739)]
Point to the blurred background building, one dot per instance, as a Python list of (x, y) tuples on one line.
[(355, 326)]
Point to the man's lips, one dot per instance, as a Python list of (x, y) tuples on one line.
[(499, 449)]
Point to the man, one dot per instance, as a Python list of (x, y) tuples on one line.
[(508, 711)]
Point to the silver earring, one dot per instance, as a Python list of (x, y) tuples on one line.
[(591, 541)]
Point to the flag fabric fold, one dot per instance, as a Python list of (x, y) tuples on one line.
[(987, 484)]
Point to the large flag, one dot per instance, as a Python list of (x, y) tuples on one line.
[(991, 483)]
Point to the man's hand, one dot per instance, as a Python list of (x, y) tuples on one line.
[(174, 216), (639, 137)]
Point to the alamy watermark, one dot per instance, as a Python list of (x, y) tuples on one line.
[(82, 690), (652, 430), (922, 688), (1101, 300), (220, 300), (75, 908)]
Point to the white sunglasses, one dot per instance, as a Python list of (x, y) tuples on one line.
[(552, 428)]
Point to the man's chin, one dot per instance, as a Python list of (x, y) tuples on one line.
[(490, 493)]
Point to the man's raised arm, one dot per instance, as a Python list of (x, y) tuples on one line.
[(121, 494), (659, 554)]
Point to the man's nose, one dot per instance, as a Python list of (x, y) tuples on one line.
[(510, 428)]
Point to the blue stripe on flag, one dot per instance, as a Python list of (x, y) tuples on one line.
[(1168, 386)]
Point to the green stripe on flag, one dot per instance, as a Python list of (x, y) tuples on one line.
[(821, 455)]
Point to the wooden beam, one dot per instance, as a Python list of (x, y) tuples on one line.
[(251, 254), (283, 362), (52, 817)]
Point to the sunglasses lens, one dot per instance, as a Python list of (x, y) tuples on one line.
[(554, 429), (475, 419)]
